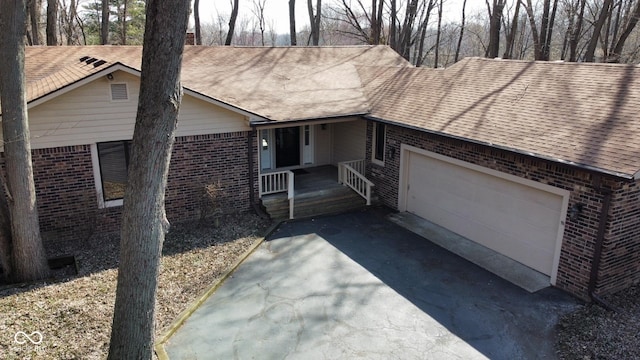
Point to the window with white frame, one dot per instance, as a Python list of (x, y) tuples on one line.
[(379, 143), (113, 160)]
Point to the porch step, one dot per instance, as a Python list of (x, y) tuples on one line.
[(320, 202)]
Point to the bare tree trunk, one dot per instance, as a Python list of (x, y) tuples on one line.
[(419, 57), (464, 5), (5, 233), (575, 35), (376, 21), (589, 55), (631, 24), (292, 23), (435, 60), (104, 27), (494, 28), (34, 16), (232, 23), (144, 221), (508, 51), (123, 23), (314, 21), (258, 10), (69, 16), (393, 27), (52, 20), (537, 44), (548, 31), (28, 255), (196, 18)]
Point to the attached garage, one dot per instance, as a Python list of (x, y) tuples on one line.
[(516, 217)]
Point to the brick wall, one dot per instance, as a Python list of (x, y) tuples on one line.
[(580, 234), (220, 159), (65, 190), (67, 199), (621, 249)]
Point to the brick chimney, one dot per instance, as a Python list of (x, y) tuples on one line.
[(190, 39)]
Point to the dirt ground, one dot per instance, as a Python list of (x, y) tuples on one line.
[(74, 313)]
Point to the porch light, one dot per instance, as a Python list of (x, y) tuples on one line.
[(575, 211)]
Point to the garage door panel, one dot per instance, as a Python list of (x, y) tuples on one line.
[(517, 220)]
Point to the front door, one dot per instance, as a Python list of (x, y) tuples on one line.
[(287, 147)]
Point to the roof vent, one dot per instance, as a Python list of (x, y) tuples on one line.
[(90, 60), (99, 63), (82, 59), (119, 92)]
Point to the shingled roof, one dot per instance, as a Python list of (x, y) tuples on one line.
[(276, 84), (584, 114)]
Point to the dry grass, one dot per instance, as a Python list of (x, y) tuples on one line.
[(74, 314)]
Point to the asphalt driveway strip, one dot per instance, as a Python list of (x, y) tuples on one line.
[(358, 286)]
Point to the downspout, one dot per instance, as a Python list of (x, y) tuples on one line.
[(597, 252), (252, 197)]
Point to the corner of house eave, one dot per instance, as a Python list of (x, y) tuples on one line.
[(31, 103)]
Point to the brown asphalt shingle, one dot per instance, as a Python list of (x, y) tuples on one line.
[(277, 83), (587, 114)]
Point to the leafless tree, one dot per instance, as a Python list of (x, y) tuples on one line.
[(314, 21), (511, 35), (462, 20), (292, 22), (258, 12), (144, 221), (495, 22), (196, 19), (52, 21), (104, 28), (28, 256), (631, 22), (438, 33), (589, 55), (34, 7), (232, 22)]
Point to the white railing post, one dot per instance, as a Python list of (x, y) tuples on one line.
[(351, 174), (290, 192)]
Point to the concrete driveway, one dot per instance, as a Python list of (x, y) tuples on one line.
[(358, 286)]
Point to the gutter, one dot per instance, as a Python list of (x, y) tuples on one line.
[(597, 252)]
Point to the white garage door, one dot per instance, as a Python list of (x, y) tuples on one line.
[(514, 219)]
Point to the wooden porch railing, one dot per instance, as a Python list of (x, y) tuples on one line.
[(351, 173), (277, 182)]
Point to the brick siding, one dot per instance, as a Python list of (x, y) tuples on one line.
[(67, 199), (619, 265)]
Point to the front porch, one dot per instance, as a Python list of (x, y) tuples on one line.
[(310, 168), (316, 191)]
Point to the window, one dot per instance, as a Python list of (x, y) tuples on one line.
[(113, 158), (307, 132), (379, 137)]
